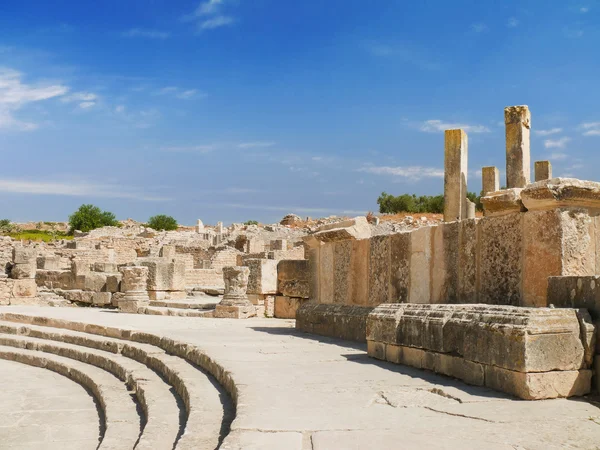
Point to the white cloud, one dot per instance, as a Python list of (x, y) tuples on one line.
[(435, 126), (73, 189), (14, 94), (86, 105), (85, 99), (512, 22), (216, 22), (557, 143), (188, 94), (260, 144), (411, 172), (549, 132), (584, 9), (180, 93), (479, 27), (209, 15), (120, 109), (590, 128), (149, 34), (557, 156)]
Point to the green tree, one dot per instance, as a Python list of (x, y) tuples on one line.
[(251, 222), (162, 222), (90, 217)]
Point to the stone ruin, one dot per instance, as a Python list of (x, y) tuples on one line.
[(474, 298), (510, 301)]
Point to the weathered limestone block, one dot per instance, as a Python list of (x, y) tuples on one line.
[(134, 287), (420, 264), (471, 209), (165, 275), (338, 321), (562, 192), (500, 259), (379, 270), (48, 263), (287, 307), (533, 353), (326, 273), (342, 256), (95, 282), (24, 255), (517, 120), (445, 260), (293, 278), (455, 175), (23, 288), (235, 303), (102, 298), (263, 276), (106, 267), (358, 290), (557, 242), (279, 244), (357, 228), (314, 272), (490, 177), (499, 203), (79, 296), (167, 251), (79, 267), (400, 267), (543, 170), (23, 271), (467, 261)]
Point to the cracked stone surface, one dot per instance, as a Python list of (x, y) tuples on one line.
[(42, 409), (304, 392)]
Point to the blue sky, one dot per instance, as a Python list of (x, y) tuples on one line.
[(251, 109)]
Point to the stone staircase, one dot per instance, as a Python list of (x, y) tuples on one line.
[(152, 392), (197, 306)]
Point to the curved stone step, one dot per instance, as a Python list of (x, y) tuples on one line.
[(205, 410), (122, 421), (179, 312), (160, 407)]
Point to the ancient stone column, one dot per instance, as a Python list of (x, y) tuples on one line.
[(490, 177), (134, 289), (235, 303), (455, 175), (199, 227), (471, 208), (518, 160), (219, 227), (543, 170)]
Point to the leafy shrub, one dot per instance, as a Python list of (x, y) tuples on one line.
[(162, 222), (390, 204), (90, 217), (251, 222)]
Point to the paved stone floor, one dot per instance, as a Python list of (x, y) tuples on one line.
[(40, 409), (305, 392)]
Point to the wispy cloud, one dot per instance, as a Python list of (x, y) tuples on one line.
[(584, 9), (590, 128), (513, 22), (479, 27), (84, 100), (436, 126), (74, 189), (259, 144), (413, 173), (292, 209), (148, 34), (180, 93), (403, 52), (210, 15), (558, 156), (557, 143), (14, 94), (548, 132)]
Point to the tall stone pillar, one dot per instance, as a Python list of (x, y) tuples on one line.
[(518, 160), (543, 170), (134, 289), (235, 303), (455, 175), (490, 177)]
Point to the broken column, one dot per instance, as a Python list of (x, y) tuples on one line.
[(543, 170), (455, 175), (518, 161), (490, 177), (199, 227), (134, 289), (235, 303)]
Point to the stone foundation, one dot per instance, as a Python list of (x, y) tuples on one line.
[(337, 321), (532, 353)]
